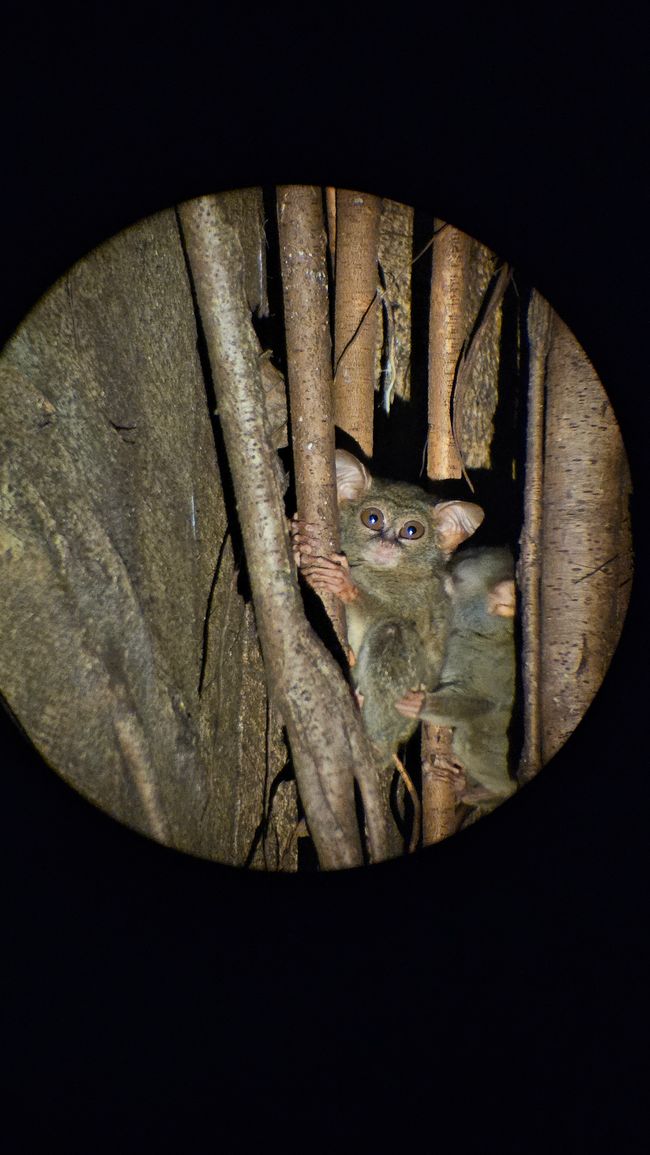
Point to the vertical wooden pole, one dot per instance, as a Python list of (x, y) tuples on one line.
[(302, 239), (357, 308), (529, 570), (447, 328)]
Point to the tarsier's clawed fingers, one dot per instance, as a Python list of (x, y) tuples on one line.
[(410, 704), (330, 575), (302, 539), (325, 574)]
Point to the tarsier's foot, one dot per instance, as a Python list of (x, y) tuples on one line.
[(324, 574), (359, 697), (410, 704)]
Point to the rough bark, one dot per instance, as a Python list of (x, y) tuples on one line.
[(439, 810), (395, 253), (123, 635), (328, 745), (462, 386), (244, 211), (309, 362), (447, 328), (475, 395), (330, 210), (356, 325), (529, 568), (586, 538)]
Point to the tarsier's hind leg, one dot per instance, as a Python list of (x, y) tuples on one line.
[(390, 656)]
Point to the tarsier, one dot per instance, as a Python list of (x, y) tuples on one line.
[(431, 637), (391, 578), (476, 689)]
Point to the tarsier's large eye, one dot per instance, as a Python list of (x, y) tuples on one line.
[(412, 530), (372, 517)]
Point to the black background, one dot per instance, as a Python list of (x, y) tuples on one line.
[(490, 993)]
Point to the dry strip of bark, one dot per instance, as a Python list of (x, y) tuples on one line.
[(395, 253), (356, 318), (539, 321), (475, 393), (309, 360), (327, 741)]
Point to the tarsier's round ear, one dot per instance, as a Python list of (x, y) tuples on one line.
[(455, 522), (352, 477)]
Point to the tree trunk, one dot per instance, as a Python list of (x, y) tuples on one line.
[(586, 538), (328, 744), (357, 307), (122, 628)]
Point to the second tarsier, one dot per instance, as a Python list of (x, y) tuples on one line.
[(431, 635)]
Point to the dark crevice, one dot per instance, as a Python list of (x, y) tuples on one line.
[(208, 611)]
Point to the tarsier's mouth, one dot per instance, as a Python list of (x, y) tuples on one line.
[(380, 551)]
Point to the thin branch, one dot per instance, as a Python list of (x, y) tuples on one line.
[(529, 570), (309, 360)]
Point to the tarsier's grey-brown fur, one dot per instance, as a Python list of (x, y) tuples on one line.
[(431, 635), (477, 685), (399, 622)]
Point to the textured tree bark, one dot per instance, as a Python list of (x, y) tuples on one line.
[(128, 655), (244, 211), (356, 323), (309, 360), (529, 568), (586, 538), (330, 210), (447, 330), (328, 744), (463, 373), (395, 253), (440, 816), (447, 325), (476, 391)]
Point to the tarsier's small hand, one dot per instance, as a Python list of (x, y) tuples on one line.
[(410, 704), (329, 574)]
